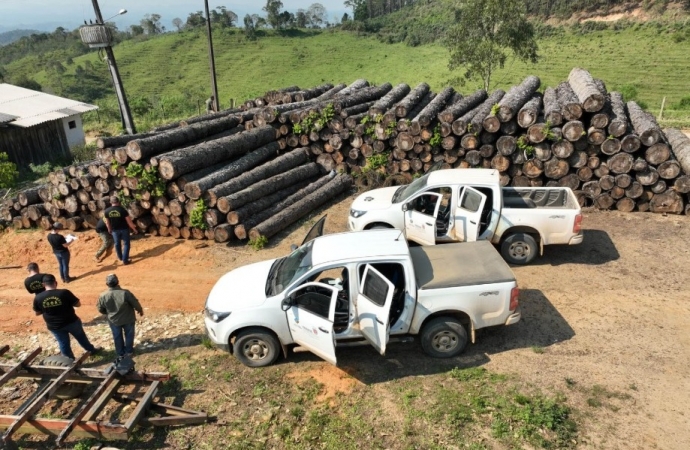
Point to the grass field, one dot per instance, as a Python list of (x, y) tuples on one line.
[(644, 58)]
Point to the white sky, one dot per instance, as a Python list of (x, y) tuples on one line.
[(46, 15)]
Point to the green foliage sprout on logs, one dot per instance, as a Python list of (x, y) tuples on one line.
[(436, 137), (196, 217), (494, 109), (149, 180), (523, 144), (375, 162), (258, 243), (315, 121)]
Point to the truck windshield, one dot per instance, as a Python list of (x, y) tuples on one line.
[(285, 270), (408, 190)]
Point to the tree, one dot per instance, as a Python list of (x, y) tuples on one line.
[(151, 23), (249, 28), (345, 18), (360, 11), (195, 20), (272, 9), (301, 18), (136, 30), (8, 172), (485, 31), (317, 15), (178, 23), (223, 17)]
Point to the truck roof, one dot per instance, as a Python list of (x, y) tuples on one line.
[(451, 176), (461, 264), (358, 244)]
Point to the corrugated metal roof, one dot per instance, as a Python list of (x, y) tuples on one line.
[(29, 108)]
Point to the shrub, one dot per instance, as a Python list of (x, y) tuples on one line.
[(8, 172), (684, 103)]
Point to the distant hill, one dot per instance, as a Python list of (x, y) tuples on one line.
[(10, 36)]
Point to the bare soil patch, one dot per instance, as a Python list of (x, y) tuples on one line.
[(605, 323)]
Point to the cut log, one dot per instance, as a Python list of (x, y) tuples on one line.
[(213, 217), (680, 146), (570, 105), (391, 98), (604, 201), (635, 190), (500, 163), (570, 181), (578, 159), (620, 163), (356, 109), (271, 210), (462, 125), (659, 187), (592, 189), (179, 162), (533, 168), (682, 184), (667, 202), (308, 204), (466, 104), (528, 114), (596, 136), (484, 110), (630, 143), (538, 132), (223, 233), (361, 96), (623, 180), (516, 97), (434, 107), (657, 153), (562, 148), (506, 145), (618, 123), (607, 182), (602, 170), (584, 173), (267, 187), (611, 146), (509, 128), (640, 165), (119, 141), (644, 124), (648, 177), (582, 83), (625, 204), (407, 104), (573, 130), (141, 148), (354, 86), (552, 110), (669, 170), (243, 179), (556, 168)]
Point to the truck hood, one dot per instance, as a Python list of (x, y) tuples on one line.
[(244, 287), (375, 199)]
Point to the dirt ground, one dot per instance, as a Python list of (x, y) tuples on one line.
[(613, 311)]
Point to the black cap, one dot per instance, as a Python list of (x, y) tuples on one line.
[(48, 279), (58, 226), (111, 280)]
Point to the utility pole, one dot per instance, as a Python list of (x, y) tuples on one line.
[(214, 86), (125, 113)]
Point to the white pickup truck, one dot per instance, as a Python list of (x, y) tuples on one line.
[(353, 288), (464, 205)]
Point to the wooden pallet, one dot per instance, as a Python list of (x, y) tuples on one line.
[(83, 423)]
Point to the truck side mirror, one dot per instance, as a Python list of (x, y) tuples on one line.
[(286, 304), (293, 247), (404, 207)]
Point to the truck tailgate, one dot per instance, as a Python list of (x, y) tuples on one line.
[(462, 264)]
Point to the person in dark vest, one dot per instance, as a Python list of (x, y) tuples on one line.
[(34, 282), (107, 241), (118, 222), (211, 105), (119, 305), (57, 308), (60, 248)]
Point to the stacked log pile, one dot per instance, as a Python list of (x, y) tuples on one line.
[(252, 171)]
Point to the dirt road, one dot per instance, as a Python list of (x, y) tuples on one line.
[(613, 311)]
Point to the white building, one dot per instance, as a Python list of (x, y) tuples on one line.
[(36, 127)]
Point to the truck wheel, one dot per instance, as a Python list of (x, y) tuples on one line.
[(256, 348), (519, 248), (443, 337)]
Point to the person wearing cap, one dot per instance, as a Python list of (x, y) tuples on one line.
[(107, 241), (119, 305), (34, 282), (118, 222), (60, 248), (57, 308)]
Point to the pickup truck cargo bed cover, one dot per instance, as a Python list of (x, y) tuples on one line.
[(462, 264)]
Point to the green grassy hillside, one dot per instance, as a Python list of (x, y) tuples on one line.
[(640, 58)]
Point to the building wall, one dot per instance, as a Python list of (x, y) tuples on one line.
[(37, 144), (74, 130)]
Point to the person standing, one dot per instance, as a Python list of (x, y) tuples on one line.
[(119, 305), (60, 250), (211, 105), (107, 245), (34, 282), (57, 308), (119, 223)]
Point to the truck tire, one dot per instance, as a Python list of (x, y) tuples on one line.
[(255, 347), (66, 391), (519, 248), (443, 337)]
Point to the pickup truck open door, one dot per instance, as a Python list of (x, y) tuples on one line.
[(420, 218), (468, 214), (310, 314), (374, 300)]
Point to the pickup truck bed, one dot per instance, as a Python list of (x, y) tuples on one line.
[(536, 198), (461, 264)]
